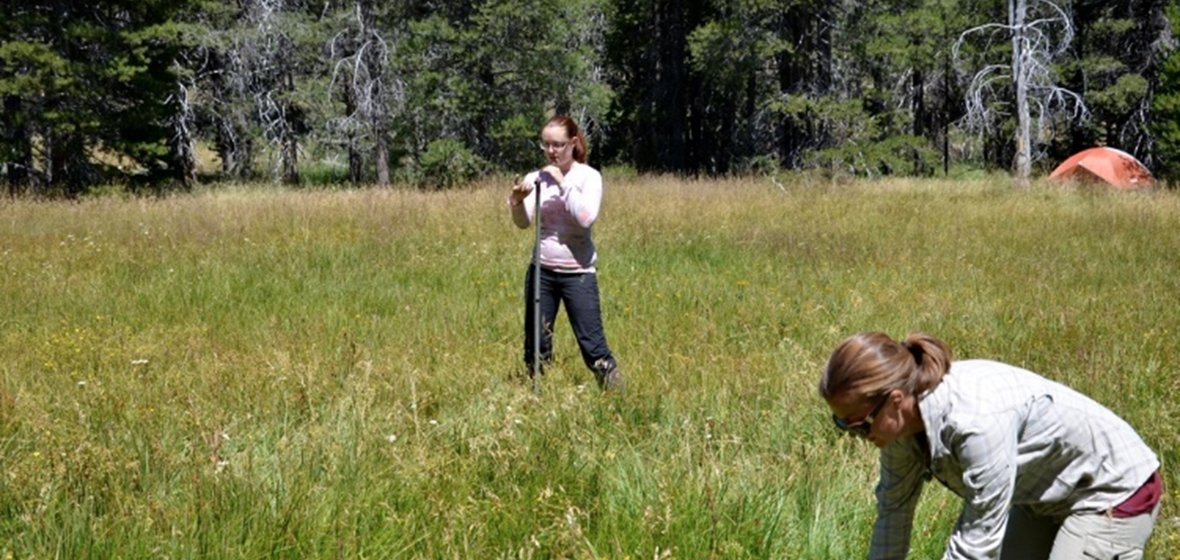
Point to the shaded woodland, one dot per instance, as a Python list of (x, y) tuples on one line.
[(438, 93)]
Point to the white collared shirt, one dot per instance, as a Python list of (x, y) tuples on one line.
[(999, 436)]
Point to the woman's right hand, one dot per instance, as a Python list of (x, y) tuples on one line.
[(520, 190)]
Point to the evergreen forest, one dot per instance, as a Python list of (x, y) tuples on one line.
[(163, 94)]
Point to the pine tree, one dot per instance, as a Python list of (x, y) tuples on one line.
[(87, 89), (1165, 125)]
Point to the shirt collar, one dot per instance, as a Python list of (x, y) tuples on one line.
[(934, 405)]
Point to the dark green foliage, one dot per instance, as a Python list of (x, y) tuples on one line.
[(444, 164), (86, 90), (647, 47), (1165, 126), (490, 72), (1115, 64), (126, 90)]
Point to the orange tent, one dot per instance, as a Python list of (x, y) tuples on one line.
[(1116, 167)]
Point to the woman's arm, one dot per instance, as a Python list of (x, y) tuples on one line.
[(898, 490), (986, 451), (522, 200), (583, 203)]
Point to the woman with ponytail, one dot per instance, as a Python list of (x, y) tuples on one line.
[(1044, 472)]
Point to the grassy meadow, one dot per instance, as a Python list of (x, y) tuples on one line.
[(249, 372)]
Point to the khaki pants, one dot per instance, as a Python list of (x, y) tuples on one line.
[(1081, 536)]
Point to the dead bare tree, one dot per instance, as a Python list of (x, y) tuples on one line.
[(372, 92), (1039, 31), (183, 129), (226, 68), (229, 106), (271, 59)]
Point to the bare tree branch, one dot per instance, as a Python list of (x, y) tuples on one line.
[(1035, 43)]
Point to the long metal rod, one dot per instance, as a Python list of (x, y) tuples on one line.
[(537, 290)]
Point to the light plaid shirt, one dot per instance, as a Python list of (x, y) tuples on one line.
[(1000, 436)]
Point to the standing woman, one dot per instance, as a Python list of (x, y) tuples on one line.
[(571, 194), (1044, 471)]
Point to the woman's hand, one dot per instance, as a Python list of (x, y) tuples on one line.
[(555, 175), (520, 190)]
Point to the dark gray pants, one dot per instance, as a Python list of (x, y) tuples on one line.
[(579, 293)]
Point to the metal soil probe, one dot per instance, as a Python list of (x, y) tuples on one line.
[(537, 289)]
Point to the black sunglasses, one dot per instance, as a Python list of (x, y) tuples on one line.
[(862, 427)]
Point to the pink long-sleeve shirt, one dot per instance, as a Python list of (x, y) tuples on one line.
[(568, 211)]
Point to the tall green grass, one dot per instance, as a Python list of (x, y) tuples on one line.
[(253, 373)]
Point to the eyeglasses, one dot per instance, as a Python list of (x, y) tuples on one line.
[(557, 147), (862, 427)]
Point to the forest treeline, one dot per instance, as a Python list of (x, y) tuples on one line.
[(435, 93)]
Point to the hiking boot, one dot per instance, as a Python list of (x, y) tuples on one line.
[(607, 373)]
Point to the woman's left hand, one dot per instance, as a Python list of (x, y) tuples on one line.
[(554, 173)]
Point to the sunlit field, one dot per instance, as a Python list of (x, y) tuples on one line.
[(252, 372)]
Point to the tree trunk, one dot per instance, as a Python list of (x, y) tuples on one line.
[(184, 144), (17, 136), (355, 162), (381, 155), (667, 103), (290, 159), (792, 79), (65, 164), (290, 139), (750, 141), (823, 47), (946, 109), (918, 107), (379, 109), (1023, 160), (235, 148)]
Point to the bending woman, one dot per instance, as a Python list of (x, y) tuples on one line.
[(571, 194), (1043, 471)]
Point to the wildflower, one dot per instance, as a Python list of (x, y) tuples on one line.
[(391, 438)]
